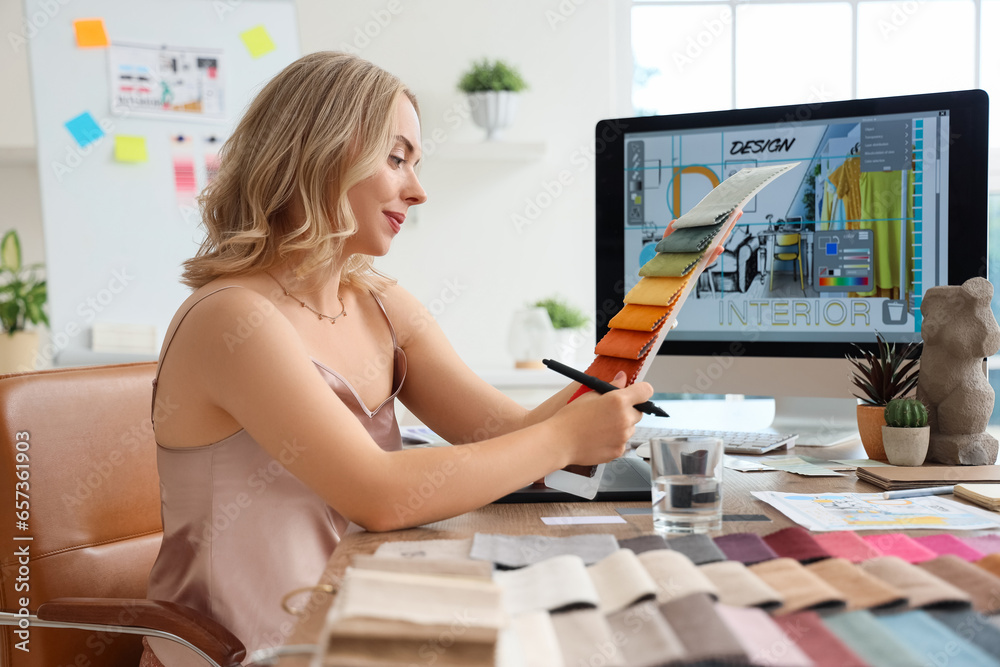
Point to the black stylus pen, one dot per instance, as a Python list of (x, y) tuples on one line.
[(599, 385)]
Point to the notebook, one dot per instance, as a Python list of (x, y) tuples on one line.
[(987, 495), (894, 478)]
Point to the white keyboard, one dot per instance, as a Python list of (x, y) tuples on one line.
[(736, 442)]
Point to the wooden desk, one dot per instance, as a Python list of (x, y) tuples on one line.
[(522, 519)]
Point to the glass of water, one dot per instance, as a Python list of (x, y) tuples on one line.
[(687, 484)]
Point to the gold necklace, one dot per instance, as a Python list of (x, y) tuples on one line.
[(320, 316)]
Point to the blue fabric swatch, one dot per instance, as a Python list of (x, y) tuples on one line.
[(934, 642)]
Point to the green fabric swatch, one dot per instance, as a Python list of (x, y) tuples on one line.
[(670, 264), (871, 640), (688, 239)]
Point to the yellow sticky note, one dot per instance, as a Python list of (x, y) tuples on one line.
[(257, 40), (90, 33), (130, 149)]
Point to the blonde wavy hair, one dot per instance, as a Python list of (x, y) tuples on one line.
[(322, 125)]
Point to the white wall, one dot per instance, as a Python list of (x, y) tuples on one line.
[(462, 254)]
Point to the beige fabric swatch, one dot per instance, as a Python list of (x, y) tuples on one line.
[(585, 638), (620, 580), (372, 604), (444, 566), (556, 583), (983, 587), (739, 587), (801, 588), (920, 586), (860, 589), (675, 575), (426, 549), (536, 642), (647, 638), (363, 652)]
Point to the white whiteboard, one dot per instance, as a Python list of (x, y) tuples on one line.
[(115, 233)]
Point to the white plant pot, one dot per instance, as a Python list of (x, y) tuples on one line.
[(493, 111), (531, 337), (568, 346), (906, 446), (18, 352)]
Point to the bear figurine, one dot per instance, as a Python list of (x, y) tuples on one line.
[(959, 331)]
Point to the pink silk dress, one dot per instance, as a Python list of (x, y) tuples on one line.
[(240, 531)]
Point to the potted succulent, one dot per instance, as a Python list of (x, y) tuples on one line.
[(492, 88), (22, 298), (888, 373), (906, 434), (567, 322)]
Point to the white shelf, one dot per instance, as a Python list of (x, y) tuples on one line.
[(492, 151), (17, 156), (513, 378)]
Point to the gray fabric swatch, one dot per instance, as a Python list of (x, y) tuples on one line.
[(689, 239), (644, 543), (513, 551), (699, 548), (648, 638)]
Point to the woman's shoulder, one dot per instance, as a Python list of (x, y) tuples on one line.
[(407, 314), (233, 308)]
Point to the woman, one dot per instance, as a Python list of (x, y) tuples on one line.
[(275, 389)]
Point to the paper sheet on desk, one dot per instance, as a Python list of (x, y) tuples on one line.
[(796, 465), (870, 511)]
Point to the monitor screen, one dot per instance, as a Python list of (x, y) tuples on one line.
[(888, 199)]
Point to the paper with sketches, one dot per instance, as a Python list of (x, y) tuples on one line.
[(870, 511), (166, 81)]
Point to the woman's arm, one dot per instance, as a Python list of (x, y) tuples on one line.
[(443, 392), (272, 389)]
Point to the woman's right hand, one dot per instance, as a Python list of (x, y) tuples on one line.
[(597, 427)]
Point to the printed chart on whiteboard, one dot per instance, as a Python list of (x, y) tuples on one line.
[(166, 81)]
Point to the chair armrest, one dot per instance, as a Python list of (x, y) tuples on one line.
[(216, 641)]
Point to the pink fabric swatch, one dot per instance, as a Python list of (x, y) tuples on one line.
[(900, 545), (846, 544), (764, 641), (949, 544), (988, 544)]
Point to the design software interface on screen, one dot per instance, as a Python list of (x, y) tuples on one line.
[(841, 246)]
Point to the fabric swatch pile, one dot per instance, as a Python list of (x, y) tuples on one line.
[(790, 598)]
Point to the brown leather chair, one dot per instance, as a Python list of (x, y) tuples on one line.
[(80, 522)]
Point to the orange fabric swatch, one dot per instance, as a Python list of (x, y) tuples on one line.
[(606, 368), (656, 291), (640, 318), (626, 344)]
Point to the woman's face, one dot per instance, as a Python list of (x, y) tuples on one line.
[(380, 202)]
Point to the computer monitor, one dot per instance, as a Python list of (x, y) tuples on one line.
[(888, 200)]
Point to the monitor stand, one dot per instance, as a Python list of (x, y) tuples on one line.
[(820, 422)]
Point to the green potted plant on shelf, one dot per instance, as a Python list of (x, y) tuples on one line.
[(568, 322), (906, 434), (888, 373), (492, 88), (22, 301)]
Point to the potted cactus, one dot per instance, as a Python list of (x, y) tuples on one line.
[(906, 434), (887, 373)]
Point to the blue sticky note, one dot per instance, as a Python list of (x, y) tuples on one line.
[(84, 129)]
